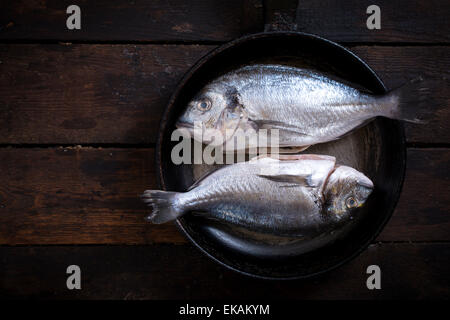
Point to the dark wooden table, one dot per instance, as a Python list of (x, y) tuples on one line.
[(79, 114)]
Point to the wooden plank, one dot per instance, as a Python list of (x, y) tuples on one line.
[(409, 271), (78, 94), (75, 94), (74, 195), (280, 15), (422, 211), (91, 196), (422, 21), (156, 20), (396, 66)]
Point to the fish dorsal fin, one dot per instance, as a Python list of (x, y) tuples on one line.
[(295, 157), (306, 156), (307, 170), (301, 180)]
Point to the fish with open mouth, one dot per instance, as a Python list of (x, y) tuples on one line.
[(289, 195), (305, 106)]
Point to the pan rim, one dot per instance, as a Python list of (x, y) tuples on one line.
[(230, 45)]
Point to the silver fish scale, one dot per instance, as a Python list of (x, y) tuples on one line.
[(318, 108), (256, 202)]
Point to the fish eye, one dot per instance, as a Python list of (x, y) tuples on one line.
[(204, 105), (351, 202)]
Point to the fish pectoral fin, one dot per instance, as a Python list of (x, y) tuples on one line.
[(301, 180), (281, 126), (295, 157)]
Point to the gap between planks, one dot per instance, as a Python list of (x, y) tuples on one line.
[(212, 42), (188, 243), (409, 145)]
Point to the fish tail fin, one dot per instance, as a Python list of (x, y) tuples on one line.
[(163, 204), (410, 101)]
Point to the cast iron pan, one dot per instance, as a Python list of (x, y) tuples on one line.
[(378, 150)]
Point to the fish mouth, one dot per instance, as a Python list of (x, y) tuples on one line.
[(201, 134), (184, 125)]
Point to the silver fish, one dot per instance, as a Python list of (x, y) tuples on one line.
[(305, 106), (297, 195)]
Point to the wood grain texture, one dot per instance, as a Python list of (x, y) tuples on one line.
[(280, 15), (80, 205), (422, 21), (422, 213), (76, 94), (90, 94), (78, 196), (91, 196), (396, 66), (157, 20), (182, 272)]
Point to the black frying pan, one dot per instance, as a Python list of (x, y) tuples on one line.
[(378, 150)]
